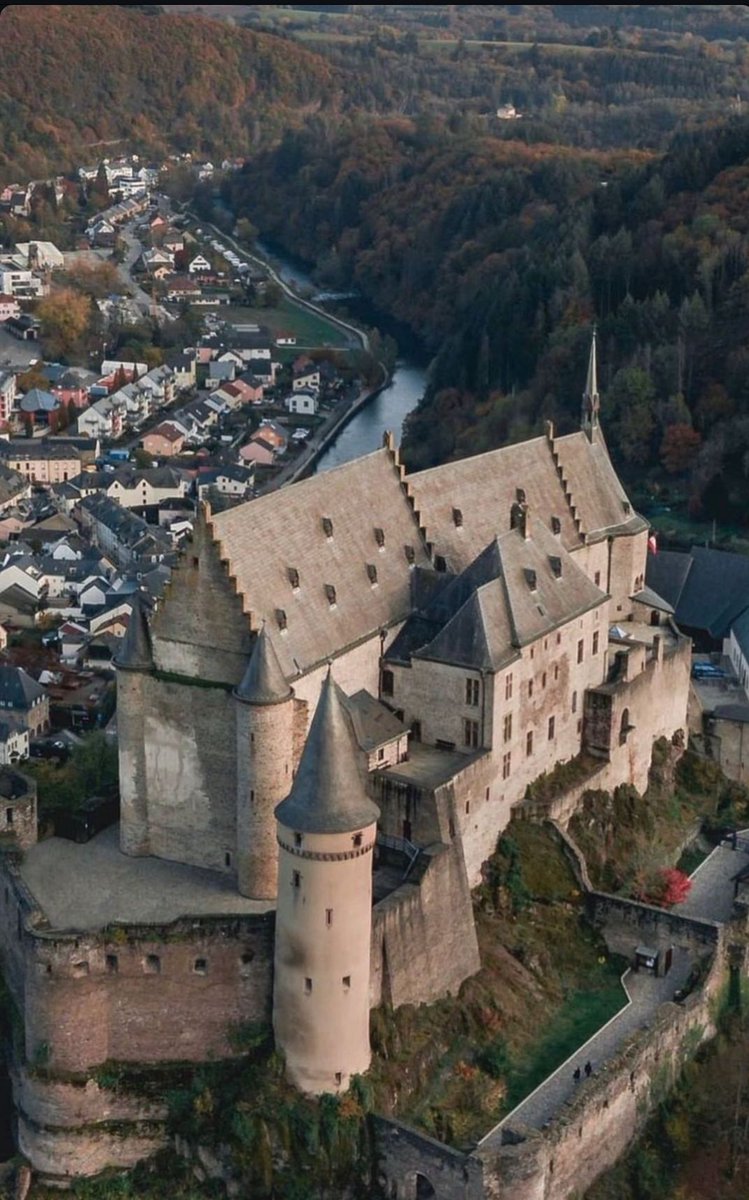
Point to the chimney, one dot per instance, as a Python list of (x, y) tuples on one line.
[(525, 521)]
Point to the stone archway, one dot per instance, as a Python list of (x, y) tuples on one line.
[(424, 1189)]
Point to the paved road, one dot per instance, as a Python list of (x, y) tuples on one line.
[(125, 269), (711, 899)]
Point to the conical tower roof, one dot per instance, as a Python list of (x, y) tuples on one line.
[(136, 653), (328, 794), (264, 682)]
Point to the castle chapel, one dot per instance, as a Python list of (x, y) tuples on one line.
[(344, 695)]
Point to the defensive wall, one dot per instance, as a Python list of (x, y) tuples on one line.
[(597, 1125)]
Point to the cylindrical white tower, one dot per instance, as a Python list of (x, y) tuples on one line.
[(326, 835), (265, 760)]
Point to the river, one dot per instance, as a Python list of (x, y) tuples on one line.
[(388, 410)]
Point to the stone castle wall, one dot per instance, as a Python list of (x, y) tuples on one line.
[(423, 935)]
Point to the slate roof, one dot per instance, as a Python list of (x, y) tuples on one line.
[(268, 539), (135, 653), (17, 689), (483, 489), (263, 681), (708, 588), (647, 596), (516, 591), (38, 400), (373, 724), (328, 794)]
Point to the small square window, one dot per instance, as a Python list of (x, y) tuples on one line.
[(152, 964), (346, 981), (200, 966), (357, 839)]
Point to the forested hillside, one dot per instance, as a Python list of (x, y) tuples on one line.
[(77, 78), (501, 255)]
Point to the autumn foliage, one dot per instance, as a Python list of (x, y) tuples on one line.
[(666, 887)]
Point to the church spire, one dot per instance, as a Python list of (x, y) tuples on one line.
[(591, 399)]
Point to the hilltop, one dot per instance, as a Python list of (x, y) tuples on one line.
[(80, 78)]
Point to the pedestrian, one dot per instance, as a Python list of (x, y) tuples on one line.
[(576, 1075), (588, 1069)]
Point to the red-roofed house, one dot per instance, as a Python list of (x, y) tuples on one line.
[(163, 441)]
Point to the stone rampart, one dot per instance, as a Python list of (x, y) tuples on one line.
[(423, 935)]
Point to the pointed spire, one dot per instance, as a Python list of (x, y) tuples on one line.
[(136, 653), (591, 399), (328, 794), (264, 682)]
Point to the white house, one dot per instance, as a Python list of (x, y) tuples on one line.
[(303, 401), (199, 265), (14, 743)]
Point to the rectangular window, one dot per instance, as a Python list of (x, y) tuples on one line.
[(543, 680), (472, 692), (506, 766), (387, 683), (346, 981), (580, 650), (530, 688), (307, 986), (529, 742), (111, 964), (574, 702), (471, 734), (152, 964), (508, 687), (551, 729), (598, 578), (508, 727), (9, 816), (556, 672), (200, 966), (296, 879), (595, 643), (328, 916)]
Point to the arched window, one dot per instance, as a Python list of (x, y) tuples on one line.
[(624, 727)]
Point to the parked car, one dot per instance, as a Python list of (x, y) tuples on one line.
[(95, 814)]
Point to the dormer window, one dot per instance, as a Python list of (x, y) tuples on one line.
[(372, 573), (556, 566), (330, 593), (530, 578), (457, 518), (556, 525), (327, 527), (380, 537), (293, 578), (281, 618)]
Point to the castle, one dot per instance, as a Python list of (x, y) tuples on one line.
[(346, 692)]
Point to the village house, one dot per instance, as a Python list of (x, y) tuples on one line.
[(9, 307), (41, 460), (164, 441), (199, 265), (305, 401), (23, 699)]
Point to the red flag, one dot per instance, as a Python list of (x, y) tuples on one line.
[(652, 544)]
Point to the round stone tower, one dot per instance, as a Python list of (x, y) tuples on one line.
[(134, 662), (265, 747), (326, 835)]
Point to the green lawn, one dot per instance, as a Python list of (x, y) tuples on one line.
[(310, 330), (581, 1015)]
